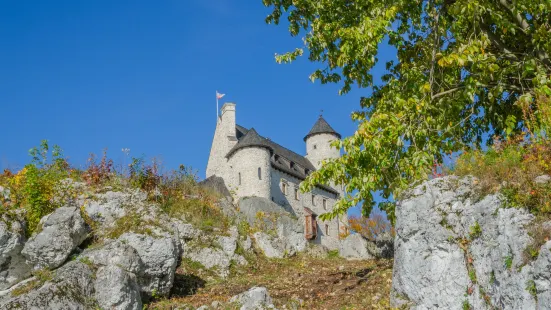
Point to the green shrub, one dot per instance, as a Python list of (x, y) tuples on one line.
[(531, 287), (333, 254), (509, 261), (475, 231)]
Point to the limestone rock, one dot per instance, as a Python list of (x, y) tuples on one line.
[(159, 254), (108, 207), (62, 231), (13, 267), (449, 242), (271, 246), (71, 288), (116, 253), (354, 247), (256, 298), (116, 288), (211, 258), (542, 179)]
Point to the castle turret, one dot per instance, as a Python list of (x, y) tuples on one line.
[(224, 140), (318, 143)]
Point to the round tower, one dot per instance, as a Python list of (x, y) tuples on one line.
[(318, 143), (249, 162)]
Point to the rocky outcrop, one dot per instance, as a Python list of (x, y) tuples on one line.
[(61, 232), (256, 298), (115, 288), (106, 208), (159, 253), (70, 287), (279, 233), (355, 247), (13, 267), (455, 251)]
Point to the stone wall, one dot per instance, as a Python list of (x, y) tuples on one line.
[(223, 141), (243, 177), (296, 206), (318, 148)]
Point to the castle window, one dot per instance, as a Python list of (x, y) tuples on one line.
[(313, 200), (239, 178), (284, 188), (324, 204), (326, 229), (259, 173), (306, 171), (291, 165), (296, 194), (315, 146), (276, 157)]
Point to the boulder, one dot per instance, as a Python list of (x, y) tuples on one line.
[(542, 179), (354, 247), (70, 288), (108, 207), (453, 250), (62, 231), (116, 253), (210, 258), (115, 288), (256, 298), (13, 267), (271, 246), (159, 253)]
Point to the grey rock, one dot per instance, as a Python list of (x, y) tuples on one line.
[(282, 235), (256, 298), (354, 247), (62, 231), (431, 269), (186, 231), (4, 193), (116, 253), (116, 288), (210, 258), (108, 207), (13, 267), (228, 244), (71, 288), (203, 307), (246, 243), (542, 179), (216, 304), (382, 247), (159, 254)]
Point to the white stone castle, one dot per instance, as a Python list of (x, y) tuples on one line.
[(252, 165)]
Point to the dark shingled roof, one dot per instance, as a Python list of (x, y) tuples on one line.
[(248, 138), (251, 138), (321, 126)]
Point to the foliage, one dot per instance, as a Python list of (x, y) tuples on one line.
[(463, 68), (509, 261), (333, 254), (531, 288), (144, 176), (98, 173), (475, 231), (511, 168), (370, 227), (36, 187)]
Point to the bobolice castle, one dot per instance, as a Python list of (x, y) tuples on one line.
[(252, 165)]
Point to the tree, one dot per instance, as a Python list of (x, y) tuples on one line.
[(464, 69), (370, 227)]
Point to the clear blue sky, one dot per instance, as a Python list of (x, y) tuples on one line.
[(89, 75)]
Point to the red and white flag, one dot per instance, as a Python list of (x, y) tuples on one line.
[(219, 95)]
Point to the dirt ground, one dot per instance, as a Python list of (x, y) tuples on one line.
[(294, 283)]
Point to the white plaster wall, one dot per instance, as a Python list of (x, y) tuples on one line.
[(247, 161), (322, 150), (223, 141), (305, 200)]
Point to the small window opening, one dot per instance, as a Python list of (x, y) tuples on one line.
[(296, 194), (326, 229), (313, 200), (284, 188), (315, 146), (292, 165), (239, 178), (325, 204), (259, 173)]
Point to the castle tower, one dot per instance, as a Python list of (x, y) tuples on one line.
[(318, 143), (224, 140)]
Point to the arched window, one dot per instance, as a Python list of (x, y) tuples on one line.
[(259, 173), (239, 178)]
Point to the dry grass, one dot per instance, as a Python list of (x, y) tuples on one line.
[(321, 283)]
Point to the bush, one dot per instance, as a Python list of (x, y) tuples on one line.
[(511, 168), (370, 227)]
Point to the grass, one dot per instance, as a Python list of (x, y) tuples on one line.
[(475, 231), (509, 261), (320, 283), (41, 277)]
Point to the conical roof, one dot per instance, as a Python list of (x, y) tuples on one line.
[(321, 126), (250, 139)]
